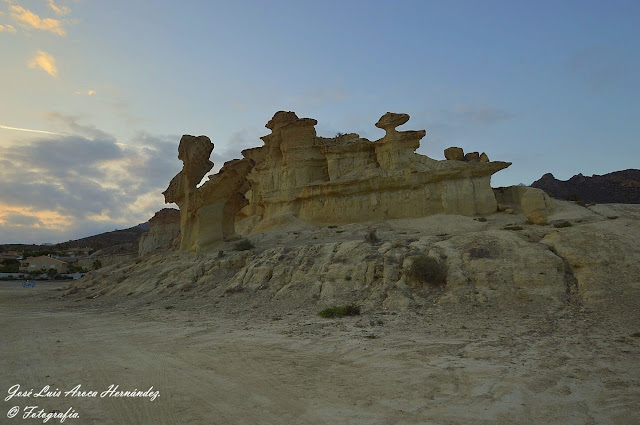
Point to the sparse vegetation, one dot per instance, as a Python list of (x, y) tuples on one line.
[(187, 287), (512, 228), (371, 237), (481, 219), (340, 311), (480, 252), (97, 264), (427, 270), (243, 245), (234, 290), (562, 224), (612, 217), (347, 278)]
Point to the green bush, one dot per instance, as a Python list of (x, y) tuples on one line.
[(340, 311), (243, 245), (427, 270)]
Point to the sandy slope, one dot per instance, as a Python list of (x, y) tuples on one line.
[(535, 326)]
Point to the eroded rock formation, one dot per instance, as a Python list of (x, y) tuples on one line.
[(351, 179), (297, 175), (207, 213), (164, 228)]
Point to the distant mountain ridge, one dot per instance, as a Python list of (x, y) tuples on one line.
[(125, 240), (621, 187)]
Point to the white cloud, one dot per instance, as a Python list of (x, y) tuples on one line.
[(28, 19), (59, 10), (46, 62), (7, 28)]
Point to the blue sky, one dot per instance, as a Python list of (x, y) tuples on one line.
[(110, 86)]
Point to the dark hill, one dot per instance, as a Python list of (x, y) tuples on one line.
[(621, 187), (120, 240)]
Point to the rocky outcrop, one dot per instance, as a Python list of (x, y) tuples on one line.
[(454, 154), (164, 232), (533, 203), (617, 187), (297, 175), (350, 179), (207, 213), (457, 154)]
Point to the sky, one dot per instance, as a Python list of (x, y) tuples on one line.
[(95, 95)]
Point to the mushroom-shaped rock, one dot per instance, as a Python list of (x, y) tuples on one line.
[(391, 120), (454, 154)]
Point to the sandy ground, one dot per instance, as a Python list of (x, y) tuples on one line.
[(234, 364)]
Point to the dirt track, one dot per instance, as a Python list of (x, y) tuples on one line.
[(227, 366)]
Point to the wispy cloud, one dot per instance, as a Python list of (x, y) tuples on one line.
[(59, 10), (28, 19), (46, 62), (29, 130), (7, 28)]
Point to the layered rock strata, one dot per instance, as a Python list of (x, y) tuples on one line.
[(351, 179), (164, 229), (297, 175)]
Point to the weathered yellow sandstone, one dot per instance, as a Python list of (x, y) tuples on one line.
[(297, 175)]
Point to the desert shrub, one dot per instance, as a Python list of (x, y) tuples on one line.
[(243, 245), (562, 224), (612, 217), (97, 264), (371, 237), (340, 311), (234, 290), (187, 287), (427, 270), (480, 252)]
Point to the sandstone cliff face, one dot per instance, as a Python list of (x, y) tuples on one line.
[(164, 230), (298, 176), (349, 179)]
